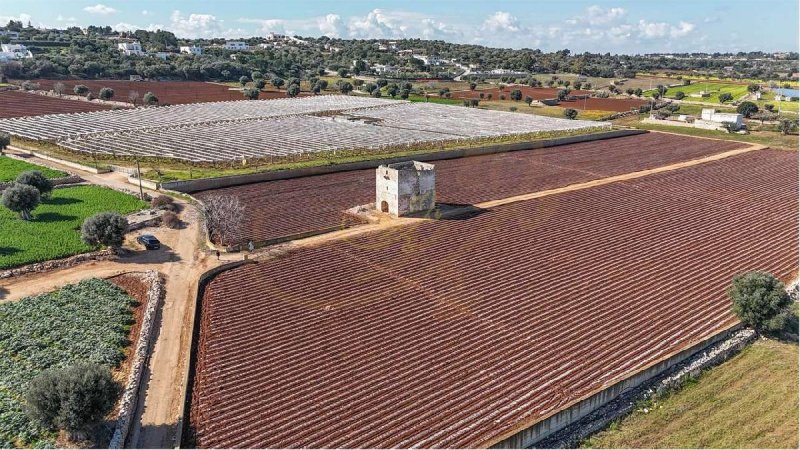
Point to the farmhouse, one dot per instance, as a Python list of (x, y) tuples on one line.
[(711, 119), (236, 45), (130, 48), (192, 50), (14, 51), (405, 188), (13, 35)]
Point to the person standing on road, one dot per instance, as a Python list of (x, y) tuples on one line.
[(217, 255)]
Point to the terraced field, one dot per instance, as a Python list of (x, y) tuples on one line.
[(168, 92), (297, 206), (458, 333), (23, 104)]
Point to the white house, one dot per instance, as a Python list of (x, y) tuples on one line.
[(13, 35), (383, 68), (236, 45), (711, 119), (272, 36), (431, 60), (162, 55), (192, 50), (130, 48), (14, 51)]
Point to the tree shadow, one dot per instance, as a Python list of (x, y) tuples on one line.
[(4, 292), (8, 251), (143, 256), (61, 201), (48, 217), (457, 211)]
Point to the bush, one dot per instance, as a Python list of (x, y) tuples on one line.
[(679, 95), (758, 298), (170, 220), (80, 89), (162, 202), (747, 109), (150, 98), (251, 93), (5, 140), (106, 93), (74, 399), (106, 228), (36, 179), (21, 199), (570, 113)]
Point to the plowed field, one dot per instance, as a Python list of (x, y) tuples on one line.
[(22, 104), (455, 333), (593, 104), (172, 92), (305, 205)]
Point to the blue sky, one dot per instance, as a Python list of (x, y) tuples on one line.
[(599, 26)]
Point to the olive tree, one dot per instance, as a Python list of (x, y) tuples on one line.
[(80, 89), (786, 126), (105, 228), (293, 90), (747, 109), (35, 179), (133, 97), (59, 88), (758, 298), (223, 215), (5, 141), (22, 199), (680, 95), (259, 83), (251, 93), (570, 113), (150, 99), (725, 97), (516, 95), (277, 82), (106, 93), (74, 399), (243, 80)]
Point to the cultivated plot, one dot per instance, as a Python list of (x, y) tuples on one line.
[(458, 333), (23, 104), (279, 209)]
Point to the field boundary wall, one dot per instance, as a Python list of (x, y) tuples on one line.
[(191, 186), (530, 435), (64, 162)]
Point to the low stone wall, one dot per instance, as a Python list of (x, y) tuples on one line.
[(144, 219), (63, 162), (54, 264), (190, 186), (714, 355), (140, 355)]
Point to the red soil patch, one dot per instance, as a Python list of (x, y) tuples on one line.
[(452, 333), (595, 104), (279, 209), (168, 92), (23, 104)]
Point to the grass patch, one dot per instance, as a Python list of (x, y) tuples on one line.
[(10, 168), (87, 321), (749, 401), (55, 230), (737, 90), (767, 138), (548, 111)]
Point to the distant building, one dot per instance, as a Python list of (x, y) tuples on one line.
[(192, 50), (13, 35), (713, 120), (405, 53), (236, 45), (14, 51), (130, 48), (383, 68), (271, 36), (405, 188), (162, 55)]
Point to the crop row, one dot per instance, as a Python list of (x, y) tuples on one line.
[(451, 333), (87, 321), (278, 209), (22, 104), (54, 230)]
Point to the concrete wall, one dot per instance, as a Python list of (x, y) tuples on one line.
[(527, 437), (190, 186)]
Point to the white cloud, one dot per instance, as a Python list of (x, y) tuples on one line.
[(100, 9), (196, 25), (330, 25), (501, 21), (653, 30)]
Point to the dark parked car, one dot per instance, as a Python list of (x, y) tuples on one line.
[(149, 241)]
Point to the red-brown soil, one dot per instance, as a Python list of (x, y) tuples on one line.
[(168, 92), (453, 333), (296, 206), (22, 104), (595, 104)]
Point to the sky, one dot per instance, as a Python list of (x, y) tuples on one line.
[(630, 27)]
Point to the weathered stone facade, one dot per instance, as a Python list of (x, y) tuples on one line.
[(405, 188)]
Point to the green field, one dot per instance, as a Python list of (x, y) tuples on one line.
[(54, 230), (749, 401), (737, 90), (10, 168), (88, 321)]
